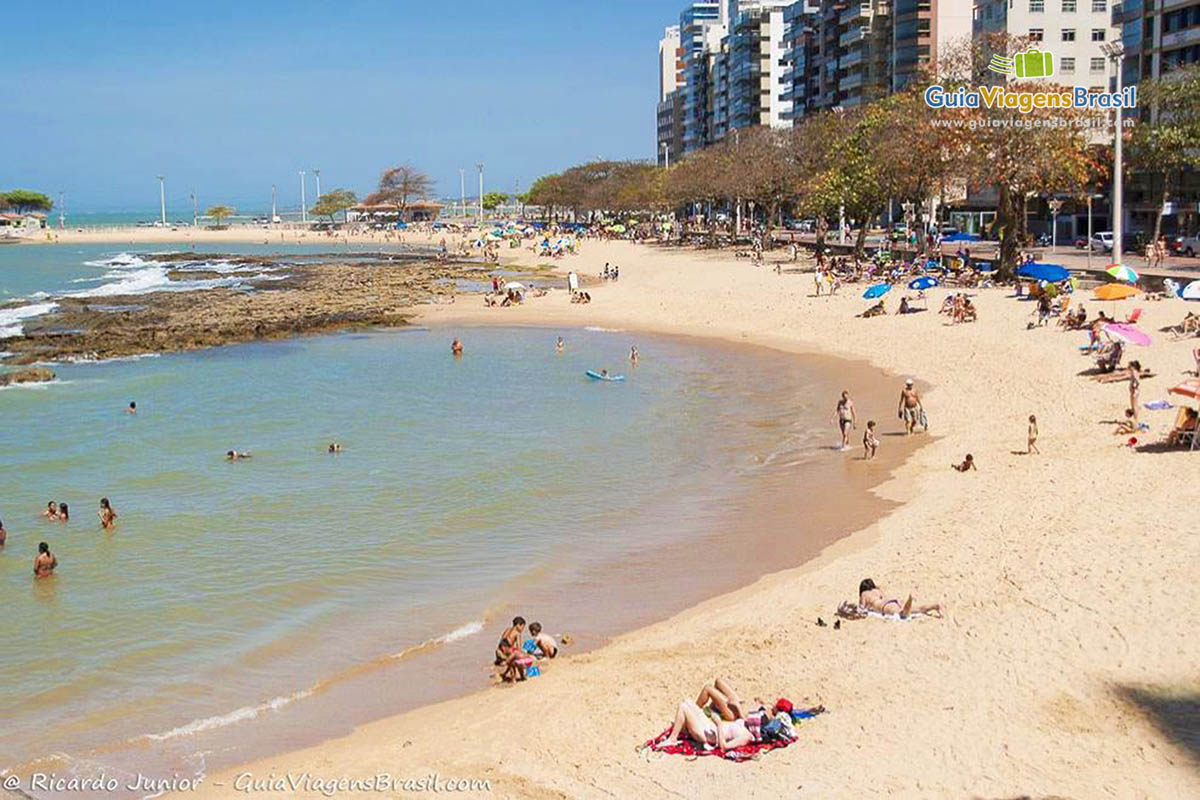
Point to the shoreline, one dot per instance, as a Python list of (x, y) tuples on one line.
[(1040, 652)]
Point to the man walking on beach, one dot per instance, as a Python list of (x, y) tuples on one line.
[(846, 418), (910, 409)]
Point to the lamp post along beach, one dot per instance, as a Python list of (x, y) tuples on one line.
[(480, 165), (162, 199), (1055, 205), (303, 201), (1115, 52)]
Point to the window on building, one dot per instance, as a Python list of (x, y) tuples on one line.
[(1099, 6), (1068, 6), (1037, 6), (1097, 65), (1068, 34), (1098, 34), (1037, 34), (1067, 65)]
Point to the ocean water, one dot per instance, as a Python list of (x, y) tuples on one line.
[(242, 607)]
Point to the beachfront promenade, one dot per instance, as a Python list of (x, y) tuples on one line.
[(1066, 661)]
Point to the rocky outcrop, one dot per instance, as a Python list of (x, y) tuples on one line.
[(29, 375)]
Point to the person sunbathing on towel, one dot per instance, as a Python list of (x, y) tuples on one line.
[(724, 700), (690, 719), (871, 596)]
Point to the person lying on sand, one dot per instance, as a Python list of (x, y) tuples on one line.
[(690, 719), (967, 464), (874, 311), (871, 597), (724, 700)]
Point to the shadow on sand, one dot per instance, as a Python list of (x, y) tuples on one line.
[(1175, 712)]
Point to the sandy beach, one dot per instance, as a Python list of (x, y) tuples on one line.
[(1063, 667)]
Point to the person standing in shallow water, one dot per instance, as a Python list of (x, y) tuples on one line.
[(3, 534), (558, 347), (108, 517), (456, 347), (44, 563), (846, 418), (910, 407)]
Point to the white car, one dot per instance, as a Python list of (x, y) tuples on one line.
[(1190, 246), (1102, 242)]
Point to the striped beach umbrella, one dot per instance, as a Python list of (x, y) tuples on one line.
[(1122, 273)]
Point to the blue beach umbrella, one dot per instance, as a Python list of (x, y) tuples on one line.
[(923, 282), (878, 290), (1051, 273)]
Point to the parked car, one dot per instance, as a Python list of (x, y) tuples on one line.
[(1102, 242), (1189, 246)]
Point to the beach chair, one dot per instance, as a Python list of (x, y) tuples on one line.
[(1134, 317), (1181, 433)]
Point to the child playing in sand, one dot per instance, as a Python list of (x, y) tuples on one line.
[(1031, 441), (870, 443), (967, 465), (546, 646)]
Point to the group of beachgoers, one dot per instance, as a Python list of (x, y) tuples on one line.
[(518, 656), (909, 409), (45, 562)]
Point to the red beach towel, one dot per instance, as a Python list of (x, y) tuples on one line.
[(686, 747)]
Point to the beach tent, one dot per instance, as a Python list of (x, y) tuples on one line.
[(1051, 273), (1191, 291)]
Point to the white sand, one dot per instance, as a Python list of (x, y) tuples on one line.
[(1068, 579)]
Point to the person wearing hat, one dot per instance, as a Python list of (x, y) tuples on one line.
[(910, 409)]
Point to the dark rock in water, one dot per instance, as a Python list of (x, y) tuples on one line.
[(30, 375)]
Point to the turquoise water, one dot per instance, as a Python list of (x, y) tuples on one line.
[(234, 599)]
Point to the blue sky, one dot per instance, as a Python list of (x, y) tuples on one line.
[(229, 98)]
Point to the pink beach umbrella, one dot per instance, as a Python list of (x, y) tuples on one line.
[(1129, 334)]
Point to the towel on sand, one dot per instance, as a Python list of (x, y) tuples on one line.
[(686, 747)]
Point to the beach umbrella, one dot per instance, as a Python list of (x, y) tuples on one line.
[(878, 290), (1115, 291), (1130, 334), (1191, 291), (1121, 273), (516, 287), (1051, 273), (923, 282)]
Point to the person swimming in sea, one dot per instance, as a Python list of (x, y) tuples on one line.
[(64, 513), (456, 347), (132, 407), (234, 455), (334, 447), (108, 517), (44, 563), (51, 512), (559, 345), (3, 534)]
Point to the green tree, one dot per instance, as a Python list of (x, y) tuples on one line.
[(23, 200), (1165, 146), (334, 201), (493, 200), (219, 213)]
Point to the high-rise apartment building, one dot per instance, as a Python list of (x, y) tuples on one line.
[(924, 30), (701, 28), (1158, 36), (670, 75), (1072, 31)]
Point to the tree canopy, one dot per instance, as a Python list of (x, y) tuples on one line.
[(334, 201), (23, 200), (220, 213), (493, 200), (399, 184)]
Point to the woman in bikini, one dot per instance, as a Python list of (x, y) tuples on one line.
[(690, 719), (871, 597), (108, 517)]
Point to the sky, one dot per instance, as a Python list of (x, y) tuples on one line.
[(227, 98)]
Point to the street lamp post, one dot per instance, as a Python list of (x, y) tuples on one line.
[(317, 172), (1055, 204), (462, 189), (480, 165), (1115, 51), (273, 214), (195, 210), (303, 200), (62, 212), (1089, 242), (162, 199), (666, 148)]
